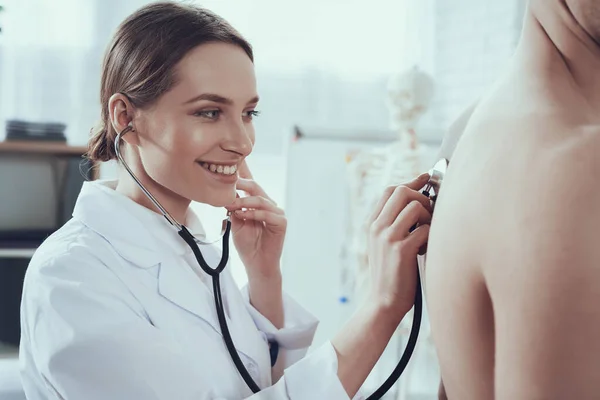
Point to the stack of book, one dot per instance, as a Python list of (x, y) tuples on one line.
[(39, 131)]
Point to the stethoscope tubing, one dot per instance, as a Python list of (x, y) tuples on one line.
[(214, 273)]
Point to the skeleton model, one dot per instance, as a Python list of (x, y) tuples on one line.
[(370, 171)]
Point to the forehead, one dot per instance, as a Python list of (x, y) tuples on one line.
[(217, 68)]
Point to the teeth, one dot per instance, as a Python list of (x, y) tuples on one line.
[(220, 169)]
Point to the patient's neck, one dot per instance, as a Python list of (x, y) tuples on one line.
[(556, 48)]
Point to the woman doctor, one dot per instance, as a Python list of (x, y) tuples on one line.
[(115, 305)]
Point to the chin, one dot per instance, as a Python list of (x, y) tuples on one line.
[(219, 198)]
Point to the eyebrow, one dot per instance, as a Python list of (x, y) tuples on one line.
[(217, 99)]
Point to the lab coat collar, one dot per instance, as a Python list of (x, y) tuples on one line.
[(138, 234)]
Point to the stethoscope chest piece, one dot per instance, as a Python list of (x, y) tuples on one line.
[(436, 176)]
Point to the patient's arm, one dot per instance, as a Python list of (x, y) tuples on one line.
[(547, 303), (451, 138)]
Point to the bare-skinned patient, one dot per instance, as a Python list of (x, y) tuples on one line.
[(513, 264)]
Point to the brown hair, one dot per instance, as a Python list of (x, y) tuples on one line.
[(140, 61)]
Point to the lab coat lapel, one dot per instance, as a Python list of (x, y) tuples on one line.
[(245, 335), (180, 285)]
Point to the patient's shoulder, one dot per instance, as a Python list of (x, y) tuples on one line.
[(565, 198), (549, 218), (571, 156)]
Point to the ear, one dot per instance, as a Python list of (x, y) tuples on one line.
[(121, 115)]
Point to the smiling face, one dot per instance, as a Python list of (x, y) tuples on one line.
[(194, 137)]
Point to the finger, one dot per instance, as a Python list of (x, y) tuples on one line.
[(417, 183), (252, 188), (269, 218), (244, 170), (380, 204), (254, 202), (413, 213), (418, 238), (399, 200), (423, 250)]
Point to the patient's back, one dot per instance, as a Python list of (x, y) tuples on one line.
[(486, 210)]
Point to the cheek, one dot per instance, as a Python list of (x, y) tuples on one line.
[(166, 157), (187, 142), (200, 141)]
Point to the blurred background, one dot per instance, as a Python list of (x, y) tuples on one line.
[(355, 95)]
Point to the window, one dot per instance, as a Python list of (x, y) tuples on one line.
[(43, 24)]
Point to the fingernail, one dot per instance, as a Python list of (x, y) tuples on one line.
[(424, 175)]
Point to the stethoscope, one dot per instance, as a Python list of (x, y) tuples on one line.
[(431, 190)]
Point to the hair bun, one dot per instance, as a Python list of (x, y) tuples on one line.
[(99, 144)]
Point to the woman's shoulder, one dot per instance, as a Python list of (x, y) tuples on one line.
[(71, 287), (70, 248), (74, 263)]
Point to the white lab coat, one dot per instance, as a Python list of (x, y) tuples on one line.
[(115, 307)]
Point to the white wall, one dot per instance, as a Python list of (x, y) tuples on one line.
[(313, 65), (474, 39)]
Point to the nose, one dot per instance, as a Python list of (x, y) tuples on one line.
[(239, 138)]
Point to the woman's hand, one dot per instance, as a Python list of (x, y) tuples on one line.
[(258, 227), (393, 248)]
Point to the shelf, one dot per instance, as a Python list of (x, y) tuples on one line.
[(39, 147), (16, 253), (53, 149)]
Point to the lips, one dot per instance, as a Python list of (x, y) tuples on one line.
[(222, 169)]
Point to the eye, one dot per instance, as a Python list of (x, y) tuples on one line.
[(251, 114), (209, 114)]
